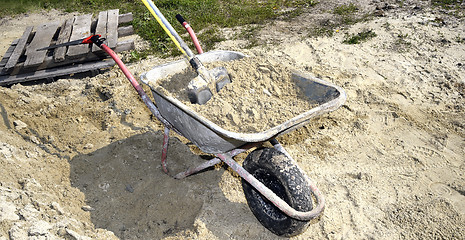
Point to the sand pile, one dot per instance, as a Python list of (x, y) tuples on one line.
[(262, 95)]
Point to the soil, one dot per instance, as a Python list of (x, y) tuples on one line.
[(261, 95), (80, 157)]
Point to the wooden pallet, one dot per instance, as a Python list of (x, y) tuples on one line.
[(22, 62)]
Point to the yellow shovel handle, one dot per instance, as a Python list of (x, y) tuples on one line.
[(168, 29)]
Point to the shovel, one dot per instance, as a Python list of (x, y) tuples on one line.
[(201, 88)]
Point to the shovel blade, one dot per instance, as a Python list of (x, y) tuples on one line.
[(221, 77), (198, 91), (198, 88)]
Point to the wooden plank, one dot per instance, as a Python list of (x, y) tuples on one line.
[(42, 38), (51, 73), (19, 49), (91, 56), (7, 56), (125, 31), (122, 18), (10, 49), (49, 63), (101, 28), (124, 46), (112, 28), (63, 37), (8, 53), (125, 18), (81, 29)]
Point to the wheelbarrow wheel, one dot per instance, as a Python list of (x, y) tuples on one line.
[(285, 179)]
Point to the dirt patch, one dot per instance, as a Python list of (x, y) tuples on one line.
[(110, 190)]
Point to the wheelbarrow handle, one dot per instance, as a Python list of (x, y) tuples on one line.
[(191, 32), (272, 197), (97, 40), (86, 40), (182, 46)]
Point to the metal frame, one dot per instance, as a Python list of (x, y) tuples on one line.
[(225, 157), (259, 186), (213, 139)]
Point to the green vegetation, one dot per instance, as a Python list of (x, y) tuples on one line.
[(447, 4), (327, 30), (347, 13), (345, 9), (209, 37), (344, 15), (206, 15), (12, 7), (363, 36), (454, 7), (459, 39), (401, 44)]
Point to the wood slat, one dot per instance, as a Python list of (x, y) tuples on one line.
[(112, 28), (51, 73), (90, 56), (101, 28), (124, 46), (49, 63), (19, 49), (122, 18), (8, 53), (42, 38), (125, 31), (64, 62), (81, 29), (63, 37), (7, 56), (125, 18)]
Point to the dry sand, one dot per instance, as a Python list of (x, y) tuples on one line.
[(261, 95), (80, 157)]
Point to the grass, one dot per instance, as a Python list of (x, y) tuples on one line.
[(345, 9), (343, 15), (327, 30), (447, 4), (250, 33), (206, 15), (347, 13), (360, 37), (209, 37), (401, 43), (454, 7)]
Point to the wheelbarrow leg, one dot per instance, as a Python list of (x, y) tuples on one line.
[(214, 161), (279, 147), (164, 152), (193, 170)]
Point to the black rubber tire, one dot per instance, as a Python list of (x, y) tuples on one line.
[(285, 179)]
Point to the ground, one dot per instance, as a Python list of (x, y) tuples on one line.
[(80, 156)]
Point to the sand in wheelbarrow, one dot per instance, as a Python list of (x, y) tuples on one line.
[(261, 95)]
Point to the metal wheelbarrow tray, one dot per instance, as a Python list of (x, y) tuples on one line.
[(278, 192)]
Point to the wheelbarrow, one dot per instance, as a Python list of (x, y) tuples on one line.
[(277, 190)]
